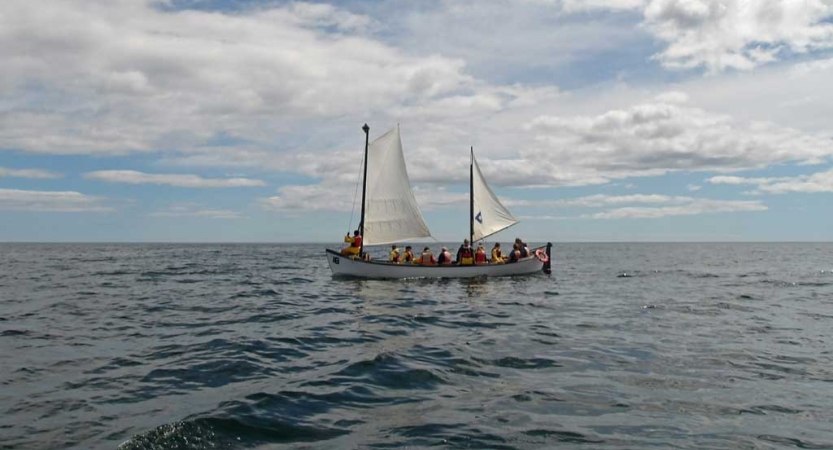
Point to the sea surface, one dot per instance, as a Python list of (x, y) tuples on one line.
[(625, 346)]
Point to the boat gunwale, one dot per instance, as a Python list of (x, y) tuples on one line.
[(438, 266)]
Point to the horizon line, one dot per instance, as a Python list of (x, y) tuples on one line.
[(338, 244)]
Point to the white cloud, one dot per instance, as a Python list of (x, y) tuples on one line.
[(126, 76), (434, 197), (179, 180), (29, 173), (694, 187), (194, 210), (790, 95), (331, 195), (812, 183), (599, 200), (536, 217), (655, 138), (540, 36), (326, 196), (672, 97), (590, 5), (695, 207), (50, 201), (646, 139), (722, 34), (320, 15), (737, 34), (735, 180)]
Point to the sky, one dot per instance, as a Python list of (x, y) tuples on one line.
[(240, 121)]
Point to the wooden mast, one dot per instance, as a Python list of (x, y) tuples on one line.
[(364, 186), (471, 199)]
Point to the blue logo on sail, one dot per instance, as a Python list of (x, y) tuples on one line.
[(479, 217)]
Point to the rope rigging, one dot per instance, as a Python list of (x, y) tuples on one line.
[(355, 193)]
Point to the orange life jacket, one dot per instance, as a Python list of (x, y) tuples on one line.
[(480, 257), (427, 259)]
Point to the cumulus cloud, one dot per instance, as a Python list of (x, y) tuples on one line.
[(736, 34), (722, 34), (812, 183), (590, 5), (647, 139), (170, 179), (672, 97), (600, 200), (151, 78), (694, 207), (324, 196), (195, 210), (50, 201), (29, 173), (333, 196), (655, 138)]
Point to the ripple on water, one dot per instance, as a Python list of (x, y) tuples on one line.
[(384, 371), (232, 346), (240, 432)]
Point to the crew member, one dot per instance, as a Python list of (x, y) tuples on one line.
[(445, 257), (465, 255), (515, 254), (355, 244), (480, 255), (426, 258), (497, 257), (408, 256), (522, 247)]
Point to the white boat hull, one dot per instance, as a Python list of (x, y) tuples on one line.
[(346, 266)]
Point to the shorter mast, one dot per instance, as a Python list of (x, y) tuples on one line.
[(471, 198), (364, 185)]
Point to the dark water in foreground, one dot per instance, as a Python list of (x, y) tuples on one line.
[(718, 346)]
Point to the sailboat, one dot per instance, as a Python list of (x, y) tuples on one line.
[(390, 214)]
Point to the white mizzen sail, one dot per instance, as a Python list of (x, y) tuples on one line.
[(392, 213), (490, 216)]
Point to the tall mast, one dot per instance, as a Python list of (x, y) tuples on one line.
[(364, 184), (471, 198)]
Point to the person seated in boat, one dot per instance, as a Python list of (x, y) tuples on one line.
[(497, 256), (394, 254), (522, 247), (465, 255), (355, 244), (515, 254), (480, 255), (408, 256), (426, 258), (445, 257)]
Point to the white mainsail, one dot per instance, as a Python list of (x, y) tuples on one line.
[(391, 210), (490, 216)]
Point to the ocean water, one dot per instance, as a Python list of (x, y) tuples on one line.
[(701, 346)]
